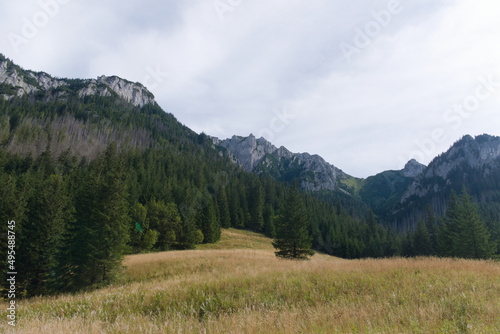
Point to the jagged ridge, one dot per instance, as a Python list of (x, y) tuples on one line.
[(260, 156), (15, 81)]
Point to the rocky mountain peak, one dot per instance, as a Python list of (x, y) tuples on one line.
[(413, 168), (260, 156), (134, 93), (15, 81), (468, 153), (250, 151)]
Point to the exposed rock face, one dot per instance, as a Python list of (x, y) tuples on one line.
[(260, 156), (478, 154), (134, 93), (19, 82), (249, 151), (413, 168)]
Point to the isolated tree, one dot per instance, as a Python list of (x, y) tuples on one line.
[(292, 236)]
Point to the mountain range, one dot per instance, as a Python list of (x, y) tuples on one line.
[(397, 197)]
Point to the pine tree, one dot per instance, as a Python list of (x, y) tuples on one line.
[(292, 236), (257, 209), (97, 241), (422, 244), (448, 228), (431, 225), (225, 218), (208, 223), (49, 211), (472, 239), (463, 233), (110, 217)]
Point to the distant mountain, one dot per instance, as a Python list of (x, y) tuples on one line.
[(398, 197), (473, 163), (382, 192), (260, 156)]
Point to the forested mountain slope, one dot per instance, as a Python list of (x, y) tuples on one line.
[(93, 169)]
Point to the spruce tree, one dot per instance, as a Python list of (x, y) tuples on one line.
[(257, 208), (431, 225), (110, 217), (448, 228), (208, 223), (49, 211), (463, 233), (472, 239), (292, 236), (422, 244), (225, 218)]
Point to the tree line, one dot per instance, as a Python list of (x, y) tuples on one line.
[(76, 216)]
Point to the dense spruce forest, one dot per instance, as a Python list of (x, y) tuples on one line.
[(88, 180)]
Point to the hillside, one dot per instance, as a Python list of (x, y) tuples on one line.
[(248, 290), (93, 169)]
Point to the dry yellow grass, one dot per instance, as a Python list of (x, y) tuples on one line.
[(249, 290)]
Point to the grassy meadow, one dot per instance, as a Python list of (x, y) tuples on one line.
[(239, 286)]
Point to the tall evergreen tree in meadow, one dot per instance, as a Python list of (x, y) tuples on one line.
[(292, 235)]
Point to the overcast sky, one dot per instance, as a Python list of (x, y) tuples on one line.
[(367, 85)]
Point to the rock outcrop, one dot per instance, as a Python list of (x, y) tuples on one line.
[(15, 81), (260, 156), (468, 155)]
